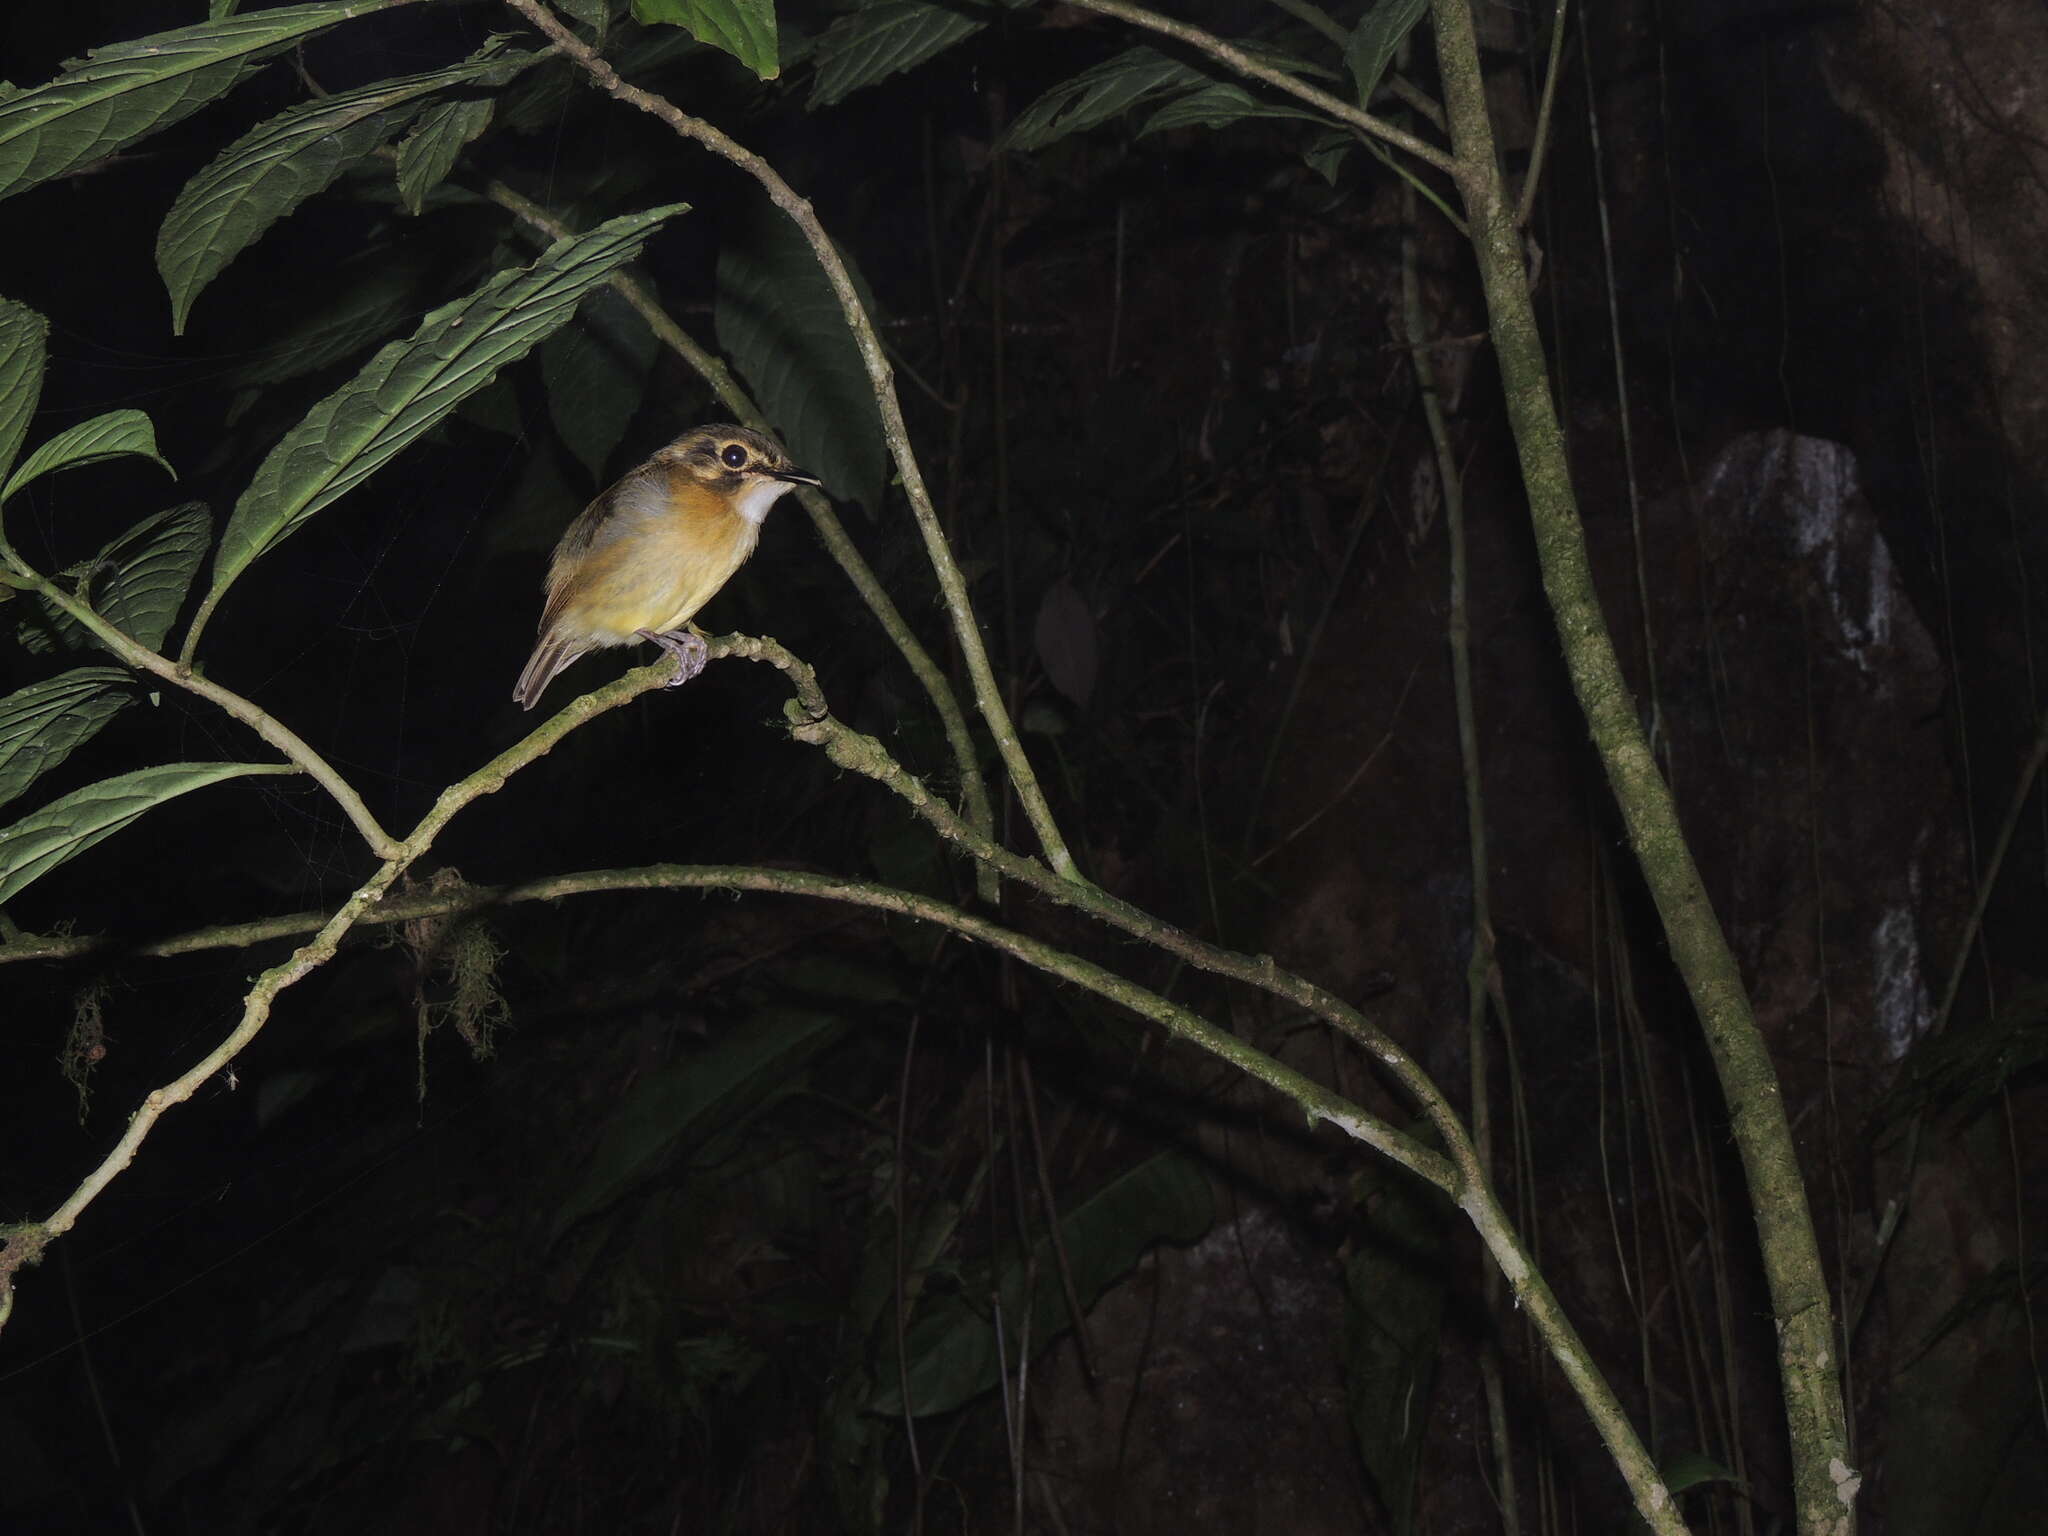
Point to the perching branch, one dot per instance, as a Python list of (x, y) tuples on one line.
[(1458, 1174), (952, 584), (712, 370), (24, 1244)]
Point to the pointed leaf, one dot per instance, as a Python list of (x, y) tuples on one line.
[(66, 827), (887, 38), (1065, 635), (427, 154), (1096, 95), (22, 336), (1217, 105), (1375, 41), (1689, 1469), (952, 1347), (42, 724), (410, 385), (1325, 153), (1393, 1328), (688, 1102), (595, 373), (152, 564), (778, 319), (743, 28), (592, 13), (363, 300), (111, 436), (127, 91), (278, 164)]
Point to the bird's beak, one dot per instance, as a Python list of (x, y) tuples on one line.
[(795, 476)]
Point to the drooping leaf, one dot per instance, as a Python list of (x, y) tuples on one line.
[(886, 38), (1141, 74), (1690, 1469), (780, 322), (112, 436), (1375, 41), (592, 13), (684, 1104), (1217, 105), (127, 91), (42, 724), (23, 334), (278, 164), (1098, 94), (66, 827), (1393, 1327), (1325, 153), (536, 102), (410, 385), (427, 154), (148, 571), (1064, 633), (952, 1348), (363, 300), (595, 373), (743, 28)]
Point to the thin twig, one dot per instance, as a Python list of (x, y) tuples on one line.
[(264, 724)]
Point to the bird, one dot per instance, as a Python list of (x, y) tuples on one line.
[(639, 561)]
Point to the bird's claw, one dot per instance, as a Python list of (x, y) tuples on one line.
[(690, 651)]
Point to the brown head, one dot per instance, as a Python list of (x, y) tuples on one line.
[(743, 468)]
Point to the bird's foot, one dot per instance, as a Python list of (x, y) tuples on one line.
[(689, 649)]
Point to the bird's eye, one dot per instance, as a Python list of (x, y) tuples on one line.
[(734, 455)]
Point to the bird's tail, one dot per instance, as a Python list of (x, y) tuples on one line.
[(549, 657)]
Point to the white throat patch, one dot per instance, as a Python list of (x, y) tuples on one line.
[(757, 497)]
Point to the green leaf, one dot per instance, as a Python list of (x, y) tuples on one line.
[(1393, 1328), (688, 1102), (1375, 41), (592, 13), (1217, 105), (410, 385), (153, 565), (427, 154), (778, 319), (42, 724), (952, 1348), (887, 38), (1689, 1469), (112, 436), (595, 373), (278, 164), (65, 828), (369, 295), (23, 333), (743, 28), (1325, 154), (127, 91), (1098, 94)]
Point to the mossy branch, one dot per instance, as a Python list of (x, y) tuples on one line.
[(25, 1243), (1824, 1483)]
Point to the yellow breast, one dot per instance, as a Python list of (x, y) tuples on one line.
[(666, 558)]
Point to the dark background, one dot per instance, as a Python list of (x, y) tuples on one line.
[(366, 1283)]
